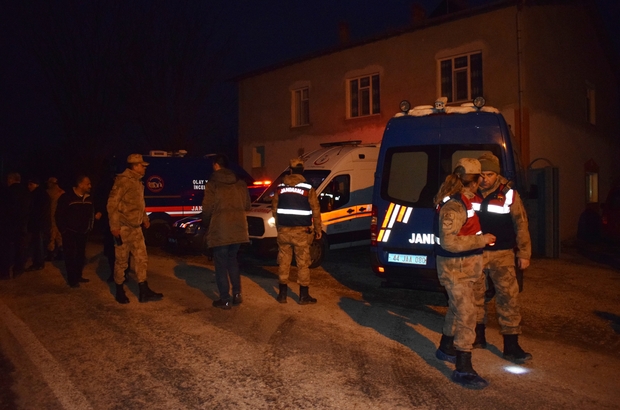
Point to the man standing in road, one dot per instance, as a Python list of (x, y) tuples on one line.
[(54, 239), (296, 209), (223, 214), (127, 213), (501, 212), (39, 222), (75, 216), (17, 203)]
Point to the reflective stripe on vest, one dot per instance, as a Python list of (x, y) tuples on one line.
[(470, 227), (293, 206), (495, 218)]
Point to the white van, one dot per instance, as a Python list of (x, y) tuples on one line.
[(342, 173)]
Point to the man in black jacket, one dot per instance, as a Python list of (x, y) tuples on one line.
[(75, 217), (16, 206), (39, 221)]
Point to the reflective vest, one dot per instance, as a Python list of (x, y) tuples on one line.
[(494, 214), (470, 227), (293, 206)]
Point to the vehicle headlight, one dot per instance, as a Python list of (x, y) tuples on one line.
[(271, 222), (191, 229)]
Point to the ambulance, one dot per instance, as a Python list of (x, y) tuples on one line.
[(342, 173), (420, 147)]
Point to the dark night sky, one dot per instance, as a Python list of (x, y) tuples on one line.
[(256, 34)]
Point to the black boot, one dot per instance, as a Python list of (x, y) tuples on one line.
[(121, 297), (465, 375), (283, 291), (446, 350), (304, 296), (481, 340), (146, 294), (512, 350)]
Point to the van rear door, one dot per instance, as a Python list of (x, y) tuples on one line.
[(417, 155)]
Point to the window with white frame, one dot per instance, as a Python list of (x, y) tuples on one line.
[(301, 107), (461, 77), (364, 96), (590, 104)]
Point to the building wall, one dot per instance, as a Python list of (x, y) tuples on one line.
[(561, 54), (552, 82)]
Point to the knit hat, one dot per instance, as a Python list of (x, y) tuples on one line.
[(469, 165), (489, 162)]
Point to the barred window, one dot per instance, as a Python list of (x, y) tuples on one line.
[(461, 77), (301, 107), (364, 96)]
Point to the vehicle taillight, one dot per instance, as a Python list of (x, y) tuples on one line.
[(266, 182), (373, 227)]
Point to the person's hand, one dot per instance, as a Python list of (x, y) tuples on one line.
[(98, 216), (489, 239), (318, 235), (116, 232), (146, 223), (523, 263)]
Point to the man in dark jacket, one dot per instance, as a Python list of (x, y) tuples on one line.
[(5, 241), (75, 216), (39, 222), (223, 213), (17, 208)]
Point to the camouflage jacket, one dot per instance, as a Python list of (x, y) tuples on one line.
[(452, 217), (126, 201)]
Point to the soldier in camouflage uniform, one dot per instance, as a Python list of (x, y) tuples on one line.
[(126, 211), (501, 212), (295, 208), (459, 267)]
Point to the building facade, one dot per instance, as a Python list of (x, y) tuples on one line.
[(543, 64)]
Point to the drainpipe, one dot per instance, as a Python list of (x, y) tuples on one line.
[(519, 89)]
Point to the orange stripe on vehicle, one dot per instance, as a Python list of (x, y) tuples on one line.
[(380, 237), (401, 214), (388, 215)]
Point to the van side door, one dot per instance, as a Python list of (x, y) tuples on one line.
[(337, 210)]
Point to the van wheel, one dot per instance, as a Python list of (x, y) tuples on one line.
[(157, 234), (318, 250)]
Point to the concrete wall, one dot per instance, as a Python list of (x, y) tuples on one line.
[(559, 55)]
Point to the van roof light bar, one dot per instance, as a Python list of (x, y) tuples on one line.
[(340, 143)]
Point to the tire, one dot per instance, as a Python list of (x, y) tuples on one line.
[(157, 233), (318, 251)]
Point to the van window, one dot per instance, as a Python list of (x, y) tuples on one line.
[(336, 193), (315, 178), (412, 175), (409, 173)]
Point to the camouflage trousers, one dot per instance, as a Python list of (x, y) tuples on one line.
[(499, 266), (463, 279), (55, 239), (133, 244), (294, 239)]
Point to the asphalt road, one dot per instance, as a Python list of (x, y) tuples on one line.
[(360, 347)]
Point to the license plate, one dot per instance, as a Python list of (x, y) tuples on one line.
[(172, 240), (408, 259)]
